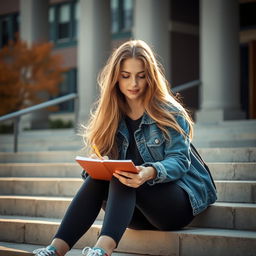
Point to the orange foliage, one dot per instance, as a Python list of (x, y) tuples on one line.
[(28, 75)]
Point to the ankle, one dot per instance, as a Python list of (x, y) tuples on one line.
[(61, 246), (106, 243)]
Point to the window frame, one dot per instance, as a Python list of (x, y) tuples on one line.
[(54, 26), (11, 17), (121, 32)]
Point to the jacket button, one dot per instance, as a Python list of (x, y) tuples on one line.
[(157, 141)]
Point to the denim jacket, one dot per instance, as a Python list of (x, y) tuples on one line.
[(172, 159)]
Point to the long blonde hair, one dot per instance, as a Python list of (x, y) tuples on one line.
[(111, 106)]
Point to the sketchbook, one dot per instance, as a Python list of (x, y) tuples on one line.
[(104, 169)]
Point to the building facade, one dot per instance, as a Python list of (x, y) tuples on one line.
[(213, 42)]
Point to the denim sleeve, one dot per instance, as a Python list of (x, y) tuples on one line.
[(177, 157)]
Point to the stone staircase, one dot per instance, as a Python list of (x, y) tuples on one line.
[(38, 183)]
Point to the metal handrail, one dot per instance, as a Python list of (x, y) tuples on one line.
[(16, 115), (186, 86)]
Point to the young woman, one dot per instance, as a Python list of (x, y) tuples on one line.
[(137, 117)]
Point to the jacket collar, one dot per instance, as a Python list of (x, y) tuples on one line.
[(146, 119)]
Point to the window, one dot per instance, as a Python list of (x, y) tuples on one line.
[(122, 18), (66, 87), (64, 21), (9, 26)]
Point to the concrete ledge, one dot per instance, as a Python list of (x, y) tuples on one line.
[(57, 170), (233, 171), (7, 251), (242, 154), (219, 215), (15, 249), (228, 191), (220, 171), (36, 206), (236, 191), (225, 143), (227, 216), (40, 186), (39, 157), (210, 242)]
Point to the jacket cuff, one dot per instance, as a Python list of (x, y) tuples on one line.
[(161, 174)]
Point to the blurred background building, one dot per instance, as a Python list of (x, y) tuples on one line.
[(213, 42)]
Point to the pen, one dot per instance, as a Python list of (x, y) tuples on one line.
[(97, 151)]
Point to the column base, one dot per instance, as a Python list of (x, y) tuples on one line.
[(218, 115)]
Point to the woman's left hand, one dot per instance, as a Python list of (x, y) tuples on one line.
[(136, 179)]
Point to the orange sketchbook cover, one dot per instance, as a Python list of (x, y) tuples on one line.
[(104, 169)]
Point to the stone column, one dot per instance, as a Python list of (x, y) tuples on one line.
[(220, 97), (93, 48), (34, 29), (34, 21), (151, 20)]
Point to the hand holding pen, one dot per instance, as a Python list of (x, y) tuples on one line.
[(97, 152)]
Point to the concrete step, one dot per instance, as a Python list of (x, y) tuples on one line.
[(40, 157), (225, 136), (247, 154), (200, 241), (36, 206), (227, 132), (40, 170), (38, 146), (229, 127), (232, 171), (221, 171), (228, 191), (39, 140), (218, 215), (42, 135), (242, 154), (228, 123), (236, 191), (21, 249), (240, 216), (40, 186), (224, 143)]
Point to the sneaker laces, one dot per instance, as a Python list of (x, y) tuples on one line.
[(92, 252), (44, 252)]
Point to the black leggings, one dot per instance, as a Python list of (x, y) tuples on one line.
[(163, 206)]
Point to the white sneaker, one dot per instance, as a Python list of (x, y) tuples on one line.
[(87, 251), (47, 251)]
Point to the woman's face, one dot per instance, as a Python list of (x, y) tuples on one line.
[(132, 79)]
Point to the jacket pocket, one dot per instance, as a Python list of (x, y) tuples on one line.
[(156, 145)]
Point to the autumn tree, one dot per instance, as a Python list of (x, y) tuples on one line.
[(28, 75)]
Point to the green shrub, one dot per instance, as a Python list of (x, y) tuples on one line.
[(59, 124)]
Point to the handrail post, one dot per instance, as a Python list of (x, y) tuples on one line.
[(16, 133)]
